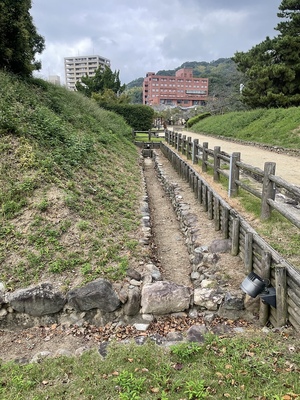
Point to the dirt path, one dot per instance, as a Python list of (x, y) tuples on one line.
[(287, 167), (172, 255), (170, 250)]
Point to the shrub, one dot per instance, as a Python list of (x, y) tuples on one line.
[(139, 117), (192, 121)]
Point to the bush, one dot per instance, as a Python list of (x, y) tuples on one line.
[(192, 121), (139, 117)]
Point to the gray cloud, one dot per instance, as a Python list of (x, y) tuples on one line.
[(150, 35)]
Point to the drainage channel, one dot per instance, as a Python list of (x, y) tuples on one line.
[(175, 239), (169, 250)]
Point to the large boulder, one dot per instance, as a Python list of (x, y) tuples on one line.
[(164, 298), (37, 301), (97, 294)]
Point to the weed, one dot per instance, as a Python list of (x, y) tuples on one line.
[(83, 225), (185, 351), (86, 269), (130, 385), (43, 205), (195, 390)]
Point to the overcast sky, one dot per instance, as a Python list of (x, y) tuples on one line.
[(140, 36)]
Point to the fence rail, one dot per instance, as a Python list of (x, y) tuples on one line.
[(256, 254), (231, 167)]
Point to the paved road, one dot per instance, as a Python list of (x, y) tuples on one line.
[(287, 167)]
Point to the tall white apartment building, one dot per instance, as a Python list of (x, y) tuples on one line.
[(76, 67)]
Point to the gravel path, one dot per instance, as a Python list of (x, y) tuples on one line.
[(287, 166)]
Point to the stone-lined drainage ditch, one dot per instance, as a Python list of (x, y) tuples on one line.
[(200, 288)]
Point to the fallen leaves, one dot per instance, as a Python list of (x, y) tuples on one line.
[(291, 396)]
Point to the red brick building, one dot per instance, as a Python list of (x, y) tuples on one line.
[(179, 90)]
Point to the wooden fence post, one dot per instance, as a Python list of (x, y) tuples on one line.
[(195, 151), (268, 190), (204, 199), (264, 308), (200, 193), (179, 136), (217, 151), (204, 156), (234, 175), (189, 148), (217, 214), (210, 205), (248, 252), (235, 236), (281, 295), (183, 149), (225, 222), (196, 183)]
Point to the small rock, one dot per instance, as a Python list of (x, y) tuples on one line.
[(220, 246), (63, 353), (40, 356), (157, 339), (133, 282), (239, 329), (81, 350), (174, 336), (148, 317), (140, 340), (195, 276), (196, 333), (3, 312), (193, 313), (206, 283), (202, 249), (133, 274), (209, 317), (141, 327), (103, 349)]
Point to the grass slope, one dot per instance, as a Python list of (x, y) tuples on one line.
[(70, 187), (275, 127)]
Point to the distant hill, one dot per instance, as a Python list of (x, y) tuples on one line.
[(224, 81), (136, 83)]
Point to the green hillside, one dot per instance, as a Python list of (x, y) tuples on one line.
[(275, 127), (70, 187)]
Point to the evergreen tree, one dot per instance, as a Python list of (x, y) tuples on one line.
[(272, 68), (104, 79), (19, 40)]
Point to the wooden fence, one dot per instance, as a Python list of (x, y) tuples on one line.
[(256, 254), (231, 166)]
